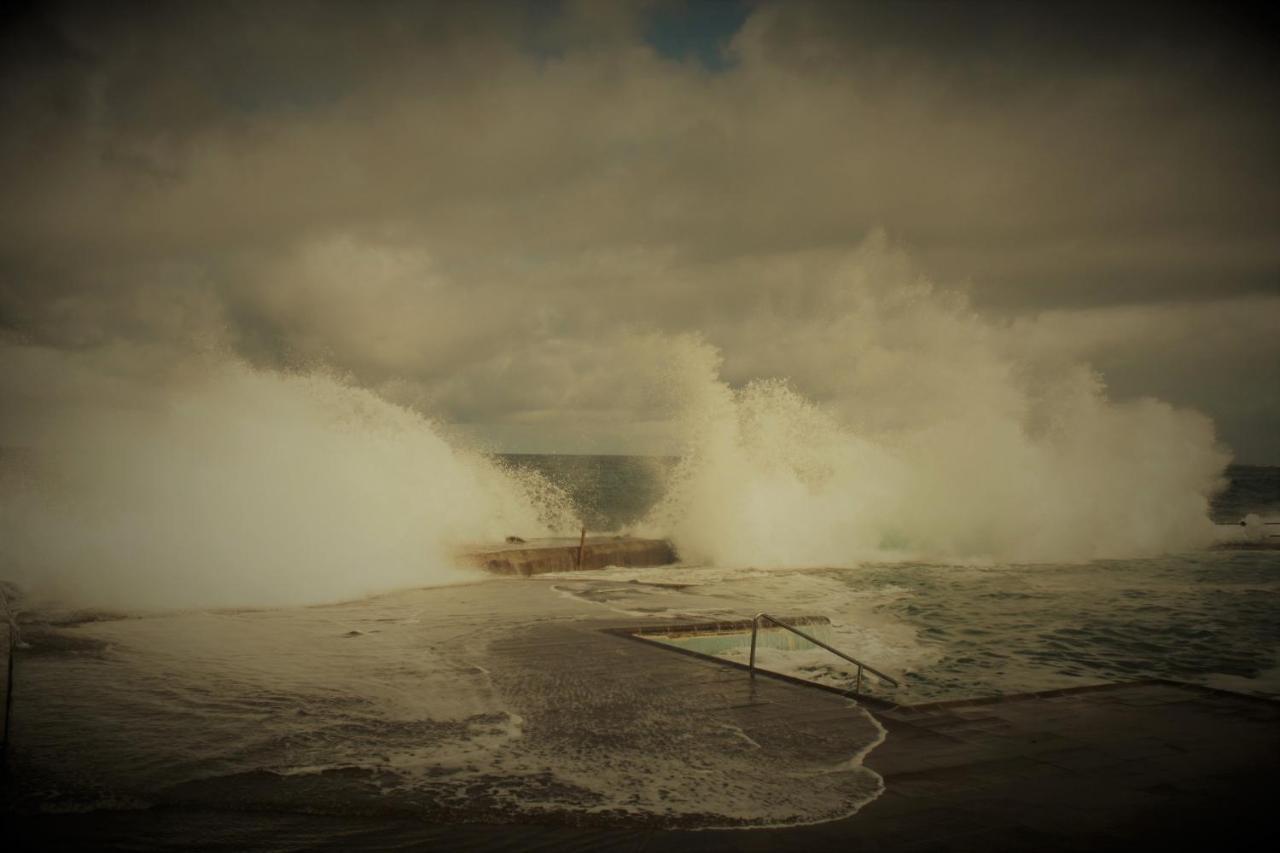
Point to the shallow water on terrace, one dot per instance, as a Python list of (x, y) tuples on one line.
[(420, 703), (441, 704)]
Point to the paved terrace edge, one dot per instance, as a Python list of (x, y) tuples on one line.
[(637, 634)]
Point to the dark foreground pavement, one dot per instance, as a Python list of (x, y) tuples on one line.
[(1117, 767)]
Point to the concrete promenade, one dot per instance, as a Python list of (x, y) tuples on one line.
[(1117, 767), (1143, 766)]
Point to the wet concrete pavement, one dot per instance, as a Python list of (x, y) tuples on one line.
[(1138, 766)]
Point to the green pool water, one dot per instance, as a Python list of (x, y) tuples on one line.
[(721, 642)]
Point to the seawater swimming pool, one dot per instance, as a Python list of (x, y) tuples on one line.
[(717, 638)]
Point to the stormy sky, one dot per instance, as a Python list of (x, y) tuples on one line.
[(494, 213)]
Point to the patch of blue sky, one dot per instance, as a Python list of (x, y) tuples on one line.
[(698, 30), (679, 30)]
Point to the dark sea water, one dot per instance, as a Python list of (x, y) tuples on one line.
[(610, 492), (1250, 488), (614, 491)]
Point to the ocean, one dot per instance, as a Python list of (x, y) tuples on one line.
[(410, 706), (615, 491), (985, 629)]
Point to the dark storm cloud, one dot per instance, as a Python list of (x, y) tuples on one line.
[(469, 205)]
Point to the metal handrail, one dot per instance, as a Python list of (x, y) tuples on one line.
[(857, 689)]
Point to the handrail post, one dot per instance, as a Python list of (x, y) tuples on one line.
[(755, 626)]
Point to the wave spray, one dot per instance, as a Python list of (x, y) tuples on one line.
[(941, 435), (227, 485)]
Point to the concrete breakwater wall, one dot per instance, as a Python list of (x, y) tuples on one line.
[(543, 556)]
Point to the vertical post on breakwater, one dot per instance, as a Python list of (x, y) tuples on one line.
[(11, 637), (582, 546), (8, 703)]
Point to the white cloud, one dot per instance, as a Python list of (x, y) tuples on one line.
[(476, 210)]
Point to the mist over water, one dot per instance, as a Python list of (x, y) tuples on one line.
[(237, 486)]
